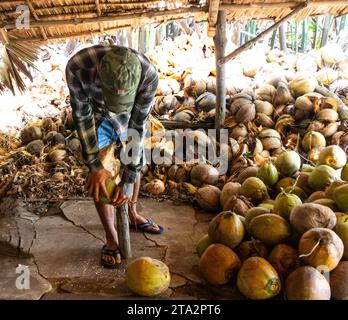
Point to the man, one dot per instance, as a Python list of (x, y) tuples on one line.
[(111, 91)]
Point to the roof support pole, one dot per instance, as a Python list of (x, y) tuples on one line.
[(220, 46), (261, 35), (4, 39)]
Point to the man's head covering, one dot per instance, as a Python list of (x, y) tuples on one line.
[(120, 73)]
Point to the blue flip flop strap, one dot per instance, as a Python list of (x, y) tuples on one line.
[(148, 223)]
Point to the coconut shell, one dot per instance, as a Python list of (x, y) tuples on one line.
[(204, 174), (258, 280), (313, 139), (74, 144), (247, 173), (284, 259), (35, 146), (270, 228), (208, 198), (311, 215), (333, 156), (316, 196), (30, 133), (229, 190), (239, 131), (219, 264), (339, 281), (264, 107), (237, 205), (321, 248), (155, 187), (307, 283), (57, 156), (226, 228)]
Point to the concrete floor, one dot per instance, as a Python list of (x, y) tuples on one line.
[(62, 253)]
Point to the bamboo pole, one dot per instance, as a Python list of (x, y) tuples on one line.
[(220, 46), (123, 231), (261, 35)]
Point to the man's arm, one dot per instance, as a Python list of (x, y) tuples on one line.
[(84, 121)]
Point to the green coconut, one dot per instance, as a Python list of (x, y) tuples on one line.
[(252, 213), (284, 203), (270, 228), (302, 85), (284, 183), (288, 163), (341, 197), (344, 173), (341, 229), (268, 206), (297, 191), (313, 139), (203, 244), (322, 176), (254, 189), (268, 173), (333, 156), (330, 190)]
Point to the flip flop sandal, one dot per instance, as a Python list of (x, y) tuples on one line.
[(144, 227), (109, 258)]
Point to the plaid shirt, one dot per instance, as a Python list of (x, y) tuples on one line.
[(88, 108)]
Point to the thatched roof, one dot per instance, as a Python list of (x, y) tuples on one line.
[(58, 19)]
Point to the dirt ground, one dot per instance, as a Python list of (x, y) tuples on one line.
[(62, 252)]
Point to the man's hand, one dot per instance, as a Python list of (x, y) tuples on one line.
[(96, 183), (119, 198)]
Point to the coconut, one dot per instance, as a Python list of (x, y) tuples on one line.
[(110, 185), (247, 173), (333, 156), (327, 203), (219, 264), (321, 177), (57, 156), (35, 146), (252, 213), (339, 281), (264, 107), (297, 191), (266, 93), (147, 276), (304, 103), (194, 87), (327, 115), (307, 283), (58, 176), (30, 133), (270, 228), (283, 95), (229, 190), (284, 259), (344, 173), (264, 120), (58, 139), (268, 173), (258, 280), (243, 109), (249, 249), (185, 116), (330, 190), (288, 163), (341, 197), (284, 203), (204, 174), (206, 102), (208, 198), (239, 131), (316, 196), (237, 205), (211, 84), (302, 182), (307, 216), (284, 183), (203, 243), (302, 85), (155, 187), (254, 189), (270, 139), (341, 230), (313, 139), (332, 53), (48, 125), (321, 247), (226, 228)]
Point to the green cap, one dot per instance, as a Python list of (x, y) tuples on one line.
[(120, 73)]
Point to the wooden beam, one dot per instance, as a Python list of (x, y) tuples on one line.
[(4, 36), (33, 13), (280, 5), (99, 13), (261, 35), (213, 15), (151, 14), (220, 46)]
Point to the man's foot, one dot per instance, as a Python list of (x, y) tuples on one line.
[(141, 223), (110, 259)]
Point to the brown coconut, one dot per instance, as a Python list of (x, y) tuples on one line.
[(321, 248), (230, 189), (155, 187), (284, 259), (339, 281), (204, 174), (247, 173), (208, 198), (312, 215), (219, 264), (252, 213), (238, 205), (307, 283), (253, 248)]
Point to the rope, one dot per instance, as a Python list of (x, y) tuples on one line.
[(313, 249)]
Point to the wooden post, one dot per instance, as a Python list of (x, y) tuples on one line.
[(220, 46), (123, 231)]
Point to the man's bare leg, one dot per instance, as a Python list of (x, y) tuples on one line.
[(134, 216), (107, 217)]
